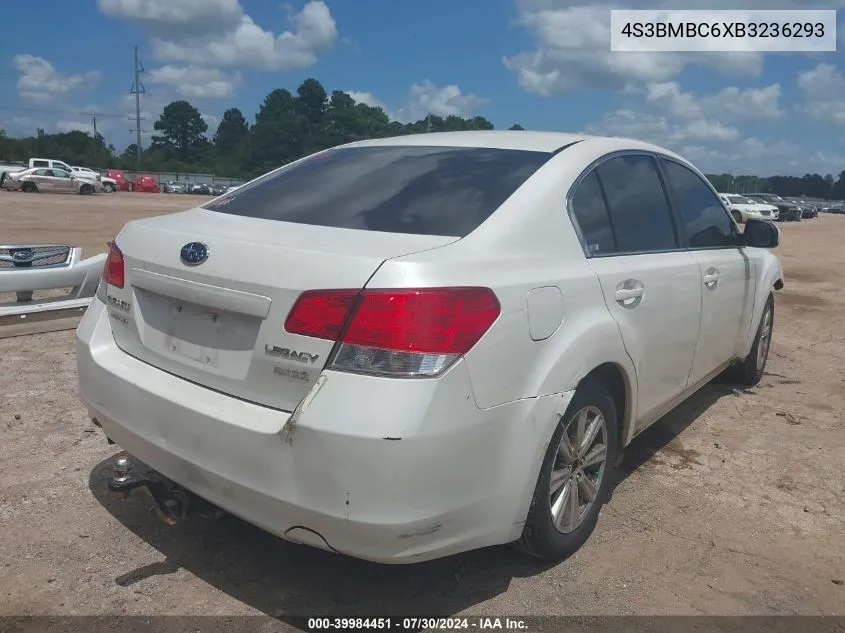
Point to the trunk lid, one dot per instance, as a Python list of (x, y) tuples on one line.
[(220, 324)]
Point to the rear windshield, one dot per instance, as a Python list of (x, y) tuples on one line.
[(445, 191)]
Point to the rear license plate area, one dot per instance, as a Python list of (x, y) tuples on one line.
[(195, 340), (195, 333)]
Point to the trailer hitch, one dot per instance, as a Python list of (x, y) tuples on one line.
[(170, 502)]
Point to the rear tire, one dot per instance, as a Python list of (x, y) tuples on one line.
[(750, 370), (109, 188), (86, 190), (553, 539), (29, 187)]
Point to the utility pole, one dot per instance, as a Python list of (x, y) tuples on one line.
[(138, 90), (428, 122), (94, 122)]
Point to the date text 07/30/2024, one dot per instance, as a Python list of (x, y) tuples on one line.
[(417, 624)]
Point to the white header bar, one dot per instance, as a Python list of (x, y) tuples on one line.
[(723, 31)]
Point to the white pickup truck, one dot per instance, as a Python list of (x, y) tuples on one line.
[(84, 173)]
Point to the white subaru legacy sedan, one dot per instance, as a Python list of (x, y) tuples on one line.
[(405, 348)]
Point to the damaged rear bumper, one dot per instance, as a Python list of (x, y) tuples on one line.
[(384, 470)]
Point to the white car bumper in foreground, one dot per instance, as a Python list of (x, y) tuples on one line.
[(388, 470)]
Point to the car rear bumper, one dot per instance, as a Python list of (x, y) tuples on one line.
[(393, 471)]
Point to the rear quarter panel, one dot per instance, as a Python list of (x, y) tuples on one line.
[(528, 243)]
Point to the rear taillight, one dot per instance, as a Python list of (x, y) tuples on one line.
[(320, 313), (401, 333), (113, 269)]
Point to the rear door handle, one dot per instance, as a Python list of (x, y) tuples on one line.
[(711, 278), (629, 293), (625, 294)]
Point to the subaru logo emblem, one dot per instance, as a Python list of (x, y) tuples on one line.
[(22, 255), (194, 253)]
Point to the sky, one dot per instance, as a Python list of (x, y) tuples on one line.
[(545, 64)]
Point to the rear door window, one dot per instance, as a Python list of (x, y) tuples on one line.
[(639, 210), (447, 191), (591, 215)]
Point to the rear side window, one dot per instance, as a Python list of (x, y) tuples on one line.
[(591, 215), (639, 210), (706, 223), (445, 191), (40, 163)]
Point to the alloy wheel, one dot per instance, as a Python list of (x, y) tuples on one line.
[(578, 468)]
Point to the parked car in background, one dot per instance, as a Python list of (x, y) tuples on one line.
[(233, 188), (218, 190), (173, 187), (145, 184), (764, 206), (787, 211), (201, 188), (119, 178), (109, 184), (42, 180), (808, 209), (351, 364), (833, 208), (741, 209)]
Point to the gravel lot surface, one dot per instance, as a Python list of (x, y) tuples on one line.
[(732, 504)]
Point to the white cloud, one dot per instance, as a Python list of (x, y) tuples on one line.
[(246, 44), (572, 51), (39, 81), (752, 156), (367, 98), (824, 93), (572, 46), (212, 122), (195, 82), (713, 146), (427, 98), (661, 130), (175, 19), (728, 103)]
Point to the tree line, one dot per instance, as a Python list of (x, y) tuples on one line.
[(288, 126)]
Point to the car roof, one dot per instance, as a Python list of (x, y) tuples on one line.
[(501, 139)]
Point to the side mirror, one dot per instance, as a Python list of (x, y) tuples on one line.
[(761, 234)]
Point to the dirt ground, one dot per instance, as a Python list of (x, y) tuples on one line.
[(86, 221), (732, 504)]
